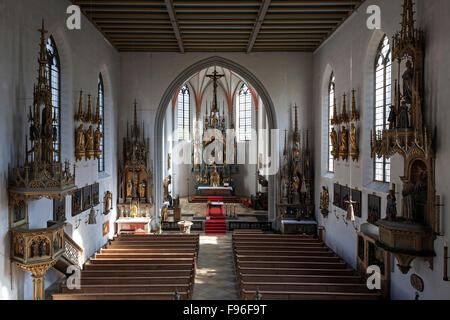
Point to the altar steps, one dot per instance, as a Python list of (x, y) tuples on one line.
[(294, 267), (215, 225), (139, 267)]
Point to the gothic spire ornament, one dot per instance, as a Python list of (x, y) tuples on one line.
[(43, 175)]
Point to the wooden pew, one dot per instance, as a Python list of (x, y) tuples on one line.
[(284, 253), (127, 288), (299, 278), (131, 267), (302, 287), (294, 267), (120, 296), (139, 267), (280, 295), (303, 258), (295, 271), (136, 273)]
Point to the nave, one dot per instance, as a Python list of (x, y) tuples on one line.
[(199, 267)]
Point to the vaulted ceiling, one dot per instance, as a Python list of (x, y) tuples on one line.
[(217, 25)]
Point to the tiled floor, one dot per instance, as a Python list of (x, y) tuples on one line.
[(215, 278)]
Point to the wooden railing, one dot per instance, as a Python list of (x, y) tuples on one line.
[(73, 252)]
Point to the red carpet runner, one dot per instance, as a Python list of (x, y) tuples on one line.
[(215, 225)]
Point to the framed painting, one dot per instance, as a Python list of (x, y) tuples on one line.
[(337, 195), (77, 204), (59, 209), (374, 208), (106, 228), (95, 194), (87, 198), (345, 197), (356, 197)]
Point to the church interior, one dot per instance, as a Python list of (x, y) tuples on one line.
[(224, 150)]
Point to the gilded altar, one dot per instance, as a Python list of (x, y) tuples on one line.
[(135, 174)]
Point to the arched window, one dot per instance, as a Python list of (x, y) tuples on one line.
[(245, 113), (184, 113), (54, 80), (383, 87), (331, 95), (101, 101)]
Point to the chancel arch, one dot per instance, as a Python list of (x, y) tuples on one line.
[(203, 66)]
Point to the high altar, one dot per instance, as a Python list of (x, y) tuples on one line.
[(135, 182), (213, 176)]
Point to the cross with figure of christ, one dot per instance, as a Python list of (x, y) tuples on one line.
[(215, 76)]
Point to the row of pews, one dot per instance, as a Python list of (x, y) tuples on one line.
[(139, 267), (293, 267)]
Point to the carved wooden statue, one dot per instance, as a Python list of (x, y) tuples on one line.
[(334, 143), (343, 148), (107, 202), (80, 143), (89, 143), (324, 201), (354, 149), (408, 76), (215, 178), (97, 143), (142, 189), (166, 183), (391, 207), (403, 116), (129, 188)]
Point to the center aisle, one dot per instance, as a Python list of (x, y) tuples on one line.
[(215, 278)]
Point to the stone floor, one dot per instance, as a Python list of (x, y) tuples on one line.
[(215, 278)]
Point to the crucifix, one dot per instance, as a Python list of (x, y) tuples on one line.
[(215, 76)]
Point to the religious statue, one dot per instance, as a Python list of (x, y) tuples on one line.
[(215, 178), (89, 134), (391, 207), (324, 201), (403, 121), (129, 188), (408, 76), (285, 188), (80, 147), (97, 142), (343, 149), (134, 211), (142, 186), (409, 208), (334, 143), (166, 183), (295, 184), (354, 150), (392, 119), (107, 202)]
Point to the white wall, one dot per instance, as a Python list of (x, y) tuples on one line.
[(350, 53), (83, 54)]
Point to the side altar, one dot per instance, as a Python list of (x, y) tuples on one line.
[(135, 181), (214, 176), (296, 206)]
